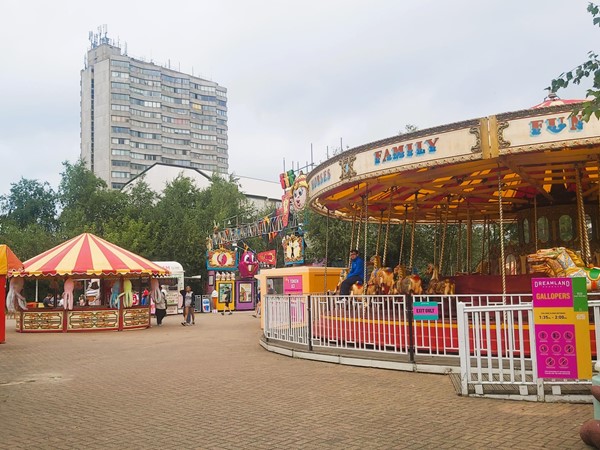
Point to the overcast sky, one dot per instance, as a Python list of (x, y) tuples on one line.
[(297, 72)]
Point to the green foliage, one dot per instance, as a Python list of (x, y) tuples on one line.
[(30, 202), (590, 68)]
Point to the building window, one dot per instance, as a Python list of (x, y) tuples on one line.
[(526, 231)]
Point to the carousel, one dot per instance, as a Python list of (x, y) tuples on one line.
[(93, 285), (534, 172), (525, 183)]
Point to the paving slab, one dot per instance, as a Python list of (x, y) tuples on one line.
[(212, 386)]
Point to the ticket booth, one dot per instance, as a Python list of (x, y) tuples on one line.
[(297, 280)]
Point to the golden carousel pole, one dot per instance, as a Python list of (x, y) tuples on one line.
[(387, 229), (403, 234), (412, 235), (366, 203), (379, 232), (502, 266), (585, 243), (326, 252), (469, 231), (535, 225), (443, 238)]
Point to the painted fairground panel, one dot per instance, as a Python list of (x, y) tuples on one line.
[(42, 320), (551, 130), (136, 317), (226, 292), (221, 259), (457, 141), (101, 319), (293, 249), (245, 295)]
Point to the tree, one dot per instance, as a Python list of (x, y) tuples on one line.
[(30, 202), (590, 68)]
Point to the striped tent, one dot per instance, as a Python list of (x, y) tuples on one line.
[(88, 255)]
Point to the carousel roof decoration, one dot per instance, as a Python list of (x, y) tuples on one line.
[(88, 255), (554, 100)]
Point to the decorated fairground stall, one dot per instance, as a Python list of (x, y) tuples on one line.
[(8, 261), (231, 273), (95, 286), (287, 222)]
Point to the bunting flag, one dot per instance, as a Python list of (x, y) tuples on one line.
[(269, 257), (88, 255)]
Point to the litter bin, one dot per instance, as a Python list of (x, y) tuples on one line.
[(198, 303)]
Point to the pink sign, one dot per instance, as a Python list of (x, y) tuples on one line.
[(552, 292), (554, 333), (556, 351), (292, 284)]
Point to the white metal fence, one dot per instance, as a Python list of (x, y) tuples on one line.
[(490, 335)]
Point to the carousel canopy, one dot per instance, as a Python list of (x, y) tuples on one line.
[(88, 255), (465, 171), (8, 260)]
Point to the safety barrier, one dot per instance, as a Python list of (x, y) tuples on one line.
[(487, 338)]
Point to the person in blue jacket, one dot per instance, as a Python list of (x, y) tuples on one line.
[(357, 269)]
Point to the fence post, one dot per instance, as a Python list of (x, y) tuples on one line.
[(290, 313), (411, 335), (463, 348), (309, 327)]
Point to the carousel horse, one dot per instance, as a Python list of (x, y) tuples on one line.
[(114, 294), (14, 296), (406, 284), (127, 294), (68, 293), (563, 262), (437, 286), (382, 278)]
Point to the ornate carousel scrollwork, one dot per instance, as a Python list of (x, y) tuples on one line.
[(503, 143), (347, 163), (477, 147)]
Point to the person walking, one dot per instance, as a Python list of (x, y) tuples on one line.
[(160, 305), (227, 300), (188, 307)]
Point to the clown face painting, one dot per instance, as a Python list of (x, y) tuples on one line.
[(300, 193)]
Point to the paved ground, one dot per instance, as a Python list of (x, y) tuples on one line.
[(212, 386)]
